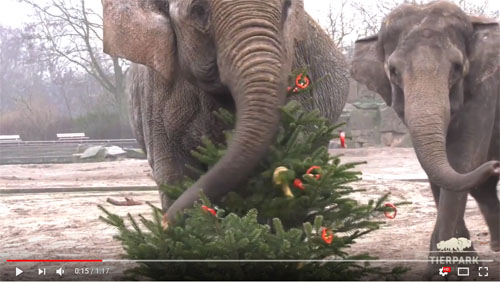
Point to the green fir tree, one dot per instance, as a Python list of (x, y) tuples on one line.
[(283, 224)]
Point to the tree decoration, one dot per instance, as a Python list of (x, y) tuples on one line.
[(390, 215), (279, 178), (302, 81), (311, 169), (342, 139), (210, 210), (327, 235), (298, 184)]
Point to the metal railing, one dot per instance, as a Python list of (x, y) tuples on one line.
[(56, 151)]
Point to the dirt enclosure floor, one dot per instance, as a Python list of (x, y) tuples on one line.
[(65, 224)]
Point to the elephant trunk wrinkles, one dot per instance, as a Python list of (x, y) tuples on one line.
[(427, 114), (250, 61)]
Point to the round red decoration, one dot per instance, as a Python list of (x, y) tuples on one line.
[(327, 235), (298, 183), (210, 210), (388, 214), (302, 83), (318, 176)]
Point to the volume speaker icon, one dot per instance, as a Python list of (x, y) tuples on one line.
[(60, 271)]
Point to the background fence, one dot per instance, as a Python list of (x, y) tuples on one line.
[(36, 152)]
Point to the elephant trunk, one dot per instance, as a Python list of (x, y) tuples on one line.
[(250, 61), (427, 114)]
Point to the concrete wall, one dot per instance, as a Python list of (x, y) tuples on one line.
[(370, 122)]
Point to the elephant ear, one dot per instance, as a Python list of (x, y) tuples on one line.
[(484, 50), (368, 68), (138, 31)]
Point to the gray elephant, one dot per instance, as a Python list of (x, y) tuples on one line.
[(195, 56), (438, 69)]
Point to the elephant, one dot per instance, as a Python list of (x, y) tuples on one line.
[(438, 69), (192, 57), (454, 244)]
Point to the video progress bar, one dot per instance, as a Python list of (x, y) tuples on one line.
[(228, 260), (277, 260), (54, 260)]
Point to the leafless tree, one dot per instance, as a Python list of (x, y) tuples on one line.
[(369, 17), (72, 32), (479, 8), (339, 25)]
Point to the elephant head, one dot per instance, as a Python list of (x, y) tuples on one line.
[(420, 62), (237, 50)]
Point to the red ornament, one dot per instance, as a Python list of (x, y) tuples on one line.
[(210, 210), (342, 139), (388, 214), (302, 83), (289, 89), (298, 183), (318, 176), (327, 235)]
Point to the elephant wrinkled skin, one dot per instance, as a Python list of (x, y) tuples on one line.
[(196, 56), (438, 69)]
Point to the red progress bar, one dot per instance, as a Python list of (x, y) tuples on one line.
[(54, 260)]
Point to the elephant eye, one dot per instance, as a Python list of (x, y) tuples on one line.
[(393, 72), (286, 8), (287, 4), (162, 6), (199, 12), (456, 73), (457, 67)]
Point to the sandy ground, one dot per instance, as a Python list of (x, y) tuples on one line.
[(66, 225)]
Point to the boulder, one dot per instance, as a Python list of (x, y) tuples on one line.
[(135, 153), (115, 151), (97, 153)]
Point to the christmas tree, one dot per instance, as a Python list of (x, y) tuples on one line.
[(293, 219)]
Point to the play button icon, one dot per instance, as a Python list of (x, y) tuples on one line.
[(18, 271)]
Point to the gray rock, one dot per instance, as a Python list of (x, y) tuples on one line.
[(94, 153), (135, 153), (367, 105), (115, 151), (364, 119)]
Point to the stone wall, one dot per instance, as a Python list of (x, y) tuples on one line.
[(370, 122)]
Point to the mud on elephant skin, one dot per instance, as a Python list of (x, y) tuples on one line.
[(193, 57), (438, 69)]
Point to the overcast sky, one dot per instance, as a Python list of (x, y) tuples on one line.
[(14, 14)]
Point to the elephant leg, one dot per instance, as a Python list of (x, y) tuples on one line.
[(435, 193), (487, 199), (451, 208), (171, 171), (450, 223), (461, 228)]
